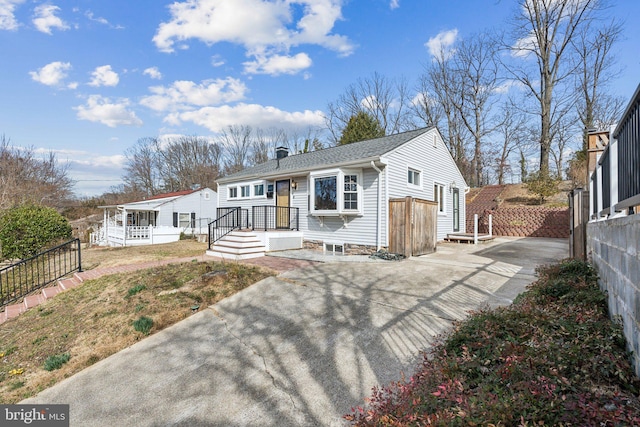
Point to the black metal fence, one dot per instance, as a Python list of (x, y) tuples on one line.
[(20, 279), (231, 219), (275, 218), (627, 134)]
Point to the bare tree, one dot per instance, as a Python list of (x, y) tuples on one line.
[(544, 30), (594, 50), (141, 172), (441, 93), (512, 132), (171, 164), (189, 161), (476, 71), (237, 141), (25, 178), (385, 99)]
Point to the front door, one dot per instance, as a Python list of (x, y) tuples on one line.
[(283, 192), (456, 210)]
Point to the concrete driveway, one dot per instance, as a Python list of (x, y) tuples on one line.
[(302, 348)]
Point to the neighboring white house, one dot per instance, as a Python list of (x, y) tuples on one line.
[(340, 196), (157, 219)]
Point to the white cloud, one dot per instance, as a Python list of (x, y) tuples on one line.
[(264, 28), (278, 64), (100, 20), (185, 94), (102, 110), (45, 18), (217, 61), (524, 47), (104, 76), (153, 72), (7, 18), (440, 45), (217, 118), (51, 74), (394, 4)]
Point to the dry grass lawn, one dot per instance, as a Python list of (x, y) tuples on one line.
[(100, 257), (95, 320)]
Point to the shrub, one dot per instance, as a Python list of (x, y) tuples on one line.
[(143, 325), (551, 358), (55, 362), (26, 230), (542, 185), (135, 289)]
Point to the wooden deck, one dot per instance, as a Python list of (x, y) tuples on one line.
[(467, 237)]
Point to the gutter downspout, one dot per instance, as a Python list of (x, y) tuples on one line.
[(379, 219)]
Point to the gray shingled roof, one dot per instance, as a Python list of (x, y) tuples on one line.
[(328, 157)]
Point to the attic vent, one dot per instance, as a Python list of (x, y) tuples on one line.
[(281, 152)]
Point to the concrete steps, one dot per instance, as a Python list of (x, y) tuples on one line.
[(238, 245)]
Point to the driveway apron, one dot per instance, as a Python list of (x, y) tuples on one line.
[(302, 348)]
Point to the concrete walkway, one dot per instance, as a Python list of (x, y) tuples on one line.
[(302, 348)]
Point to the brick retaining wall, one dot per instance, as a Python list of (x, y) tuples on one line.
[(525, 222)]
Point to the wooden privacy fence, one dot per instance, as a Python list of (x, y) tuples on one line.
[(412, 226), (578, 218)]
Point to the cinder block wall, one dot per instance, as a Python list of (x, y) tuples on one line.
[(525, 222), (613, 249)]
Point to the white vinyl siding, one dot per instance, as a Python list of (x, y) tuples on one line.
[(204, 209), (358, 229), (436, 166)]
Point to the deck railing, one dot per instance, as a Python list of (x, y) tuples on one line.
[(21, 278), (275, 218), (233, 219), (614, 186)]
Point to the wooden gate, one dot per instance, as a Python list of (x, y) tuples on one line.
[(412, 226), (578, 218)]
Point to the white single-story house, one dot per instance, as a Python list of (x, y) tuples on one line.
[(157, 219), (339, 197)]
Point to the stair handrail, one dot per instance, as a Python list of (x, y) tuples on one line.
[(225, 224), (25, 276)]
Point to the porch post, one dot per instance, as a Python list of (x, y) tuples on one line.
[(475, 229), (105, 225), (124, 227)]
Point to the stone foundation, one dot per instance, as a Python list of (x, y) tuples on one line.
[(349, 248)]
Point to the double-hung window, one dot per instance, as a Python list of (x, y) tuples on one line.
[(233, 192), (184, 220), (258, 190), (336, 192), (245, 191), (350, 192)]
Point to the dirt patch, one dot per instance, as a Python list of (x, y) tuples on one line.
[(517, 195)]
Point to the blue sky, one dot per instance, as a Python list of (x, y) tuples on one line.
[(88, 78)]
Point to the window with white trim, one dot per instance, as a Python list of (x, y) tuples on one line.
[(233, 192), (184, 220), (438, 196), (258, 190), (351, 192), (336, 192), (413, 177), (245, 191)]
